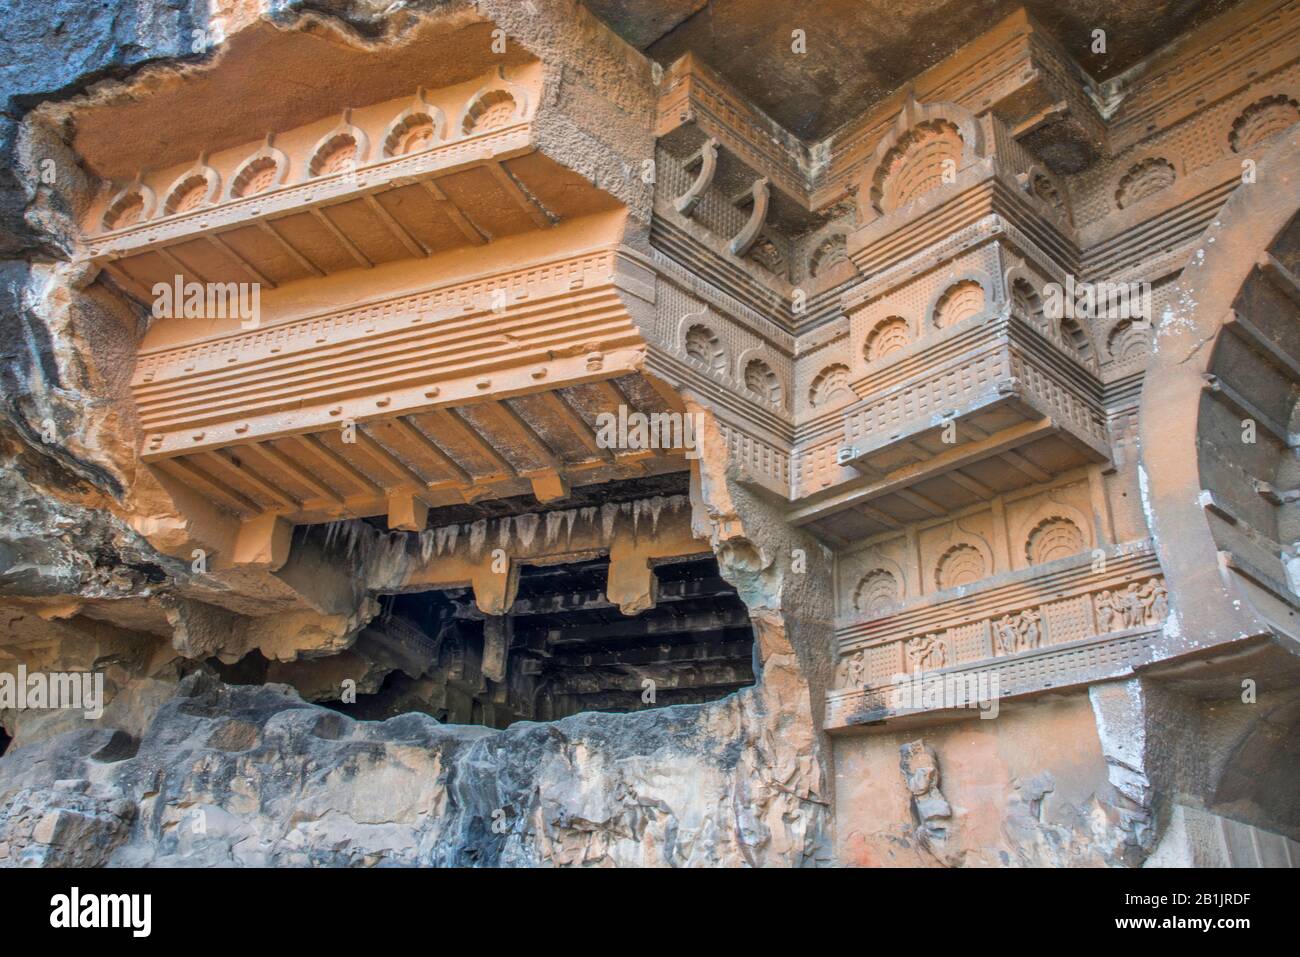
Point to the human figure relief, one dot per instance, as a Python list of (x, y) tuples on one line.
[(858, 670), (1131, 606), (1031, 633), (852, 672), (1107, 612), (1154, 600), (926, 654), (1007, 634), (1134, 607), (930, 809), (1022, 632)]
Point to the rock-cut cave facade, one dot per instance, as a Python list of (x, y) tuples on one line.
[(452, 434)]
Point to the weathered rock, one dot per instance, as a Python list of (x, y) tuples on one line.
[(255, 776)]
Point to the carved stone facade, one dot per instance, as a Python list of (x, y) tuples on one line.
[(508, 374)]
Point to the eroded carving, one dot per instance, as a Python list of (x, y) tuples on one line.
[(1132, 607), (926, 653), (877, 592), (963, 564), (1143, 180), (416, 128), (1263, 119), (703, 345), (1053, 538), (831, 383), (932, 813), (762, 381), (852, 671), (1020, 632), (829, 252)]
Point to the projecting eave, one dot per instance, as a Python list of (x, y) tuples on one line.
[(407, 178)]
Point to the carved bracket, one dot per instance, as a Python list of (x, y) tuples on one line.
[(744, 240), (686, 203)]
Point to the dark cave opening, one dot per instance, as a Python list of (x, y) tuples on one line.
[(4, 742), (567, 648), (248, 670)]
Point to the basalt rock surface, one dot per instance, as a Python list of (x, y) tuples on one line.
[(241, 775)]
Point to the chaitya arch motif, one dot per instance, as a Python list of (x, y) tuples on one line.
[(266, 168), (416, 128), (497, 104), (890, 335), (924, 151)]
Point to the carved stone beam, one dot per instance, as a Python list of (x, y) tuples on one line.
[(263, 542), (494, 591), (630, 584), (496, 646), (407, 512), (687, 202), (743, 240)]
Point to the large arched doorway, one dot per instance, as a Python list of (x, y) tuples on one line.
[(1220, 461)]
